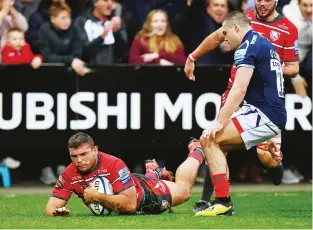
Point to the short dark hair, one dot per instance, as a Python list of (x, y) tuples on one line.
[(79, 139), (239, 17)]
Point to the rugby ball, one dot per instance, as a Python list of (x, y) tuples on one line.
[(103, 185)]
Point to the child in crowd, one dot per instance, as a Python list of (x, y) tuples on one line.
[(17, 51)]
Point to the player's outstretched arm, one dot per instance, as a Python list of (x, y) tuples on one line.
[(210, 43), (125, 201), (56, 207)]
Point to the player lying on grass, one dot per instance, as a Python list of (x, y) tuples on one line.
[(133, 193), (254, 110)]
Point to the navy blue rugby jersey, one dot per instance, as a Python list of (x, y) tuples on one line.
[(266, 88)]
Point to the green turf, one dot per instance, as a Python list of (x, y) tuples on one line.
[(253, 210)]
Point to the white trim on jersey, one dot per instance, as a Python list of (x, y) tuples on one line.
[(77, 181), (245, 65), (116, 180), (285, 48), (273, 27)]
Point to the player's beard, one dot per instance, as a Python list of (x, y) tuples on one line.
[(270, 11)]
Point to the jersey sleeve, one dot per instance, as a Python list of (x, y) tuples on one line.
[(63, 188), (246, 54), (291, 49), (120, 177)]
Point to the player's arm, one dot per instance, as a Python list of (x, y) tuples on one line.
[(210, 43), (125, 201), (291, 69), (56, 207), (236, 94)]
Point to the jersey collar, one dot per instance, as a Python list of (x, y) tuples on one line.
[(246, 36)]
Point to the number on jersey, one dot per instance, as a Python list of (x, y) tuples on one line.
[(276, 66)]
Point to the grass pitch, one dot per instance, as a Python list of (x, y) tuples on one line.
[(253, 210)]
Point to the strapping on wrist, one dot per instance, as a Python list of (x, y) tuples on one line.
[(296, 79), (192, 57)]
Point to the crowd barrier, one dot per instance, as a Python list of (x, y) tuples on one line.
[(138, 111)]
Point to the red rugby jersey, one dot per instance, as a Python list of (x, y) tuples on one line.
[(280, 32), (113, 168)]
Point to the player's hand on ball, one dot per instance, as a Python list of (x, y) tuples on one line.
[(189, 69), (90, 194), (61, 212)]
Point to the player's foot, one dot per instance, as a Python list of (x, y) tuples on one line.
[(218, 208), (151, 165), (193, 144), (162, 173), (200, 206), (167, 175), (277, 173)]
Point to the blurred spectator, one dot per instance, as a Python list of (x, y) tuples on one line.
[(156, 44), (117, 9), (17, 51), (58, 40), (299, 12), (10, 18), (27, 7), (136, 12), (36, 20), (209, 21), (10, 162), (102, 34)]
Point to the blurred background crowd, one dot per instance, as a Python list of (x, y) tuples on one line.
[(79, 33)]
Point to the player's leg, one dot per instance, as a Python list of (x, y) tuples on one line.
[(207, 191), (185, 176), (273, 164), (208, 188), (247, 128), (228, 139)]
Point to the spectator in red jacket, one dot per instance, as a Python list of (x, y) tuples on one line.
[(156, 44), (17, 51)]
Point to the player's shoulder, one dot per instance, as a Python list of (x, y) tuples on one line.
[(253, 40), (284, 24), (107, 159), (250, 14), (70, 171)]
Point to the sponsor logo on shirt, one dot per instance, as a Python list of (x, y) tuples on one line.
[(124, 175), (274, 35), (283, 26)]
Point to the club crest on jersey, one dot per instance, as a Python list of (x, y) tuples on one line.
[(274, 35)]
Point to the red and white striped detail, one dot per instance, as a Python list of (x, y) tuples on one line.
[(192, 57), (272, 27), (237, 125)]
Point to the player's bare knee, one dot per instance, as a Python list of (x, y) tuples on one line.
[(187, 194)]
